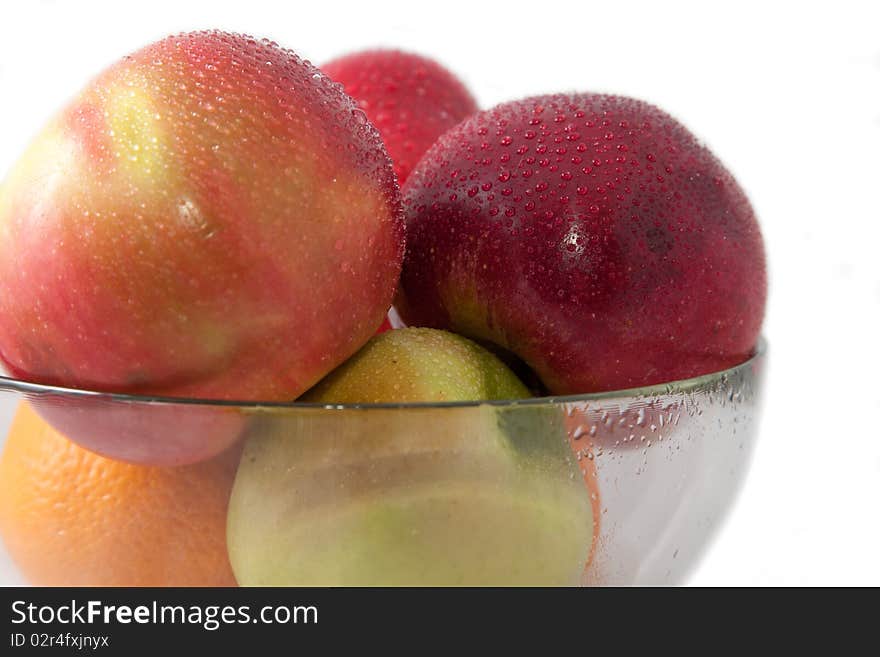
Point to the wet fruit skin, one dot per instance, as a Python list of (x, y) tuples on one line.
[(591, 235), (211, 217), (411, 99), (418, 365), (69, 517)]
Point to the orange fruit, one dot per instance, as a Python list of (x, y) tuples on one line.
[(70, 517)]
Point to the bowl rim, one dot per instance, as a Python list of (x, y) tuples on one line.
[(680, 386)]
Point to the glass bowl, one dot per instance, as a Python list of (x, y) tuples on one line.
[(616, 488)]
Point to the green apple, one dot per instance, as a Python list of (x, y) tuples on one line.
[(461, 494), (418, 365)]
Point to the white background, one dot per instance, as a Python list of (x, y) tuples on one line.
[(787, 96)]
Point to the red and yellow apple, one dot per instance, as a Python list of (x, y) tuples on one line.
[(211, 217), (593, 236)]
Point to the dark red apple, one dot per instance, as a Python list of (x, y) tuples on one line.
[(594, 236), (411, 100)]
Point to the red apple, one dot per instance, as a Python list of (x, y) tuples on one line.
[(591, 235), (211, 217), (161, 434), (384, 326), (411, 100)]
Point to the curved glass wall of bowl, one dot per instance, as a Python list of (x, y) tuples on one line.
[(625, 487), (670, 461)]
